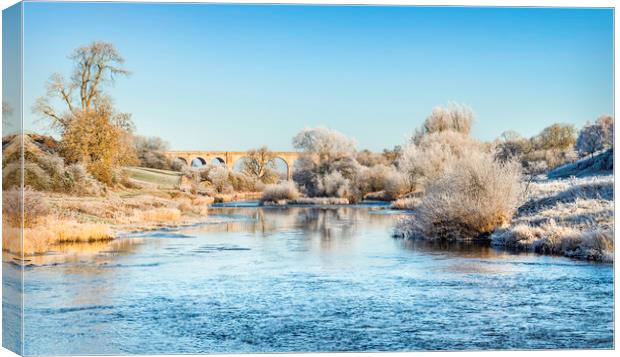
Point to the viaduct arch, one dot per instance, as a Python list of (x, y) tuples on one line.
[(229, 158)]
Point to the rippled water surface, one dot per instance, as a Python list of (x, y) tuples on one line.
[(307, 279)]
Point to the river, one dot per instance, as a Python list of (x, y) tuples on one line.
[(298, 279)]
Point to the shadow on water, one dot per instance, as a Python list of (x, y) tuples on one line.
[(478, 249)]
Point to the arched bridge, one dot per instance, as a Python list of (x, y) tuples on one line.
[(230, 158)]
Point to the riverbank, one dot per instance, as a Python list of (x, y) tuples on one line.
[(61, 218), (573, 217)]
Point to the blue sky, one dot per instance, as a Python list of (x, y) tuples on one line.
[(233, 77)]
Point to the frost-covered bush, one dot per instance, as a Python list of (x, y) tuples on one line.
[(150, 152), (218, 176), (455, 117), (552, 147), (556, 137), (305, 174), (395, 184), (474, 196), (381, 178), (281, 191), (219, 179), (35, 207), (178, 165), (328, 167), (370, 159), (552, 238), (427, 159), (242, 182), (336, 185), (81, 182), (512, 147)]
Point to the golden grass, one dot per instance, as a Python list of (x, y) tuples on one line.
[(72, 219), (42, 238), (161, 214)]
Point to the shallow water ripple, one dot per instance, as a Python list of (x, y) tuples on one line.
[(310, 279)]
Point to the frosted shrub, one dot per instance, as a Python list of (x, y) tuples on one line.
[(386, 180), (81, 182), (370, 159), (427, 160), (395, 184), (35, 207), (305, 174), (242, 182), (218, 176), (473, 197), (54, 166), (553, 238), (281, 191), (177, 165), (150, 151), (336, 185), (328, 167), (455, 117)]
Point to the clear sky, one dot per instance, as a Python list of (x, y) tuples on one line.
[(233, 77)]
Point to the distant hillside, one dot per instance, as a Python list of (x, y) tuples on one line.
[(600, 164)]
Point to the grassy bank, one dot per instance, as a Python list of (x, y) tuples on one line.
[(54, 218), (572, 217), (158, 178)]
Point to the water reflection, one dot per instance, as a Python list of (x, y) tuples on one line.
[(325, 222), (461, 249)]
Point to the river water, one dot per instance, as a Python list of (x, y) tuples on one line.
[(306, 279)]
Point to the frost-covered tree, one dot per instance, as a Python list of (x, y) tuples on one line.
[(329, 167), (150, 151), (218, 176), (259, 163), (596, 136), (556, 137), (328, 144)]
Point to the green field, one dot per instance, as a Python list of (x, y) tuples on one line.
[(162, 178)]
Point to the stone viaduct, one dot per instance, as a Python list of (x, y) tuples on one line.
[(230, 158)]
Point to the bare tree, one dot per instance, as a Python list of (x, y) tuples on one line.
[(95, 65), (93, 132), (259, 163)]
